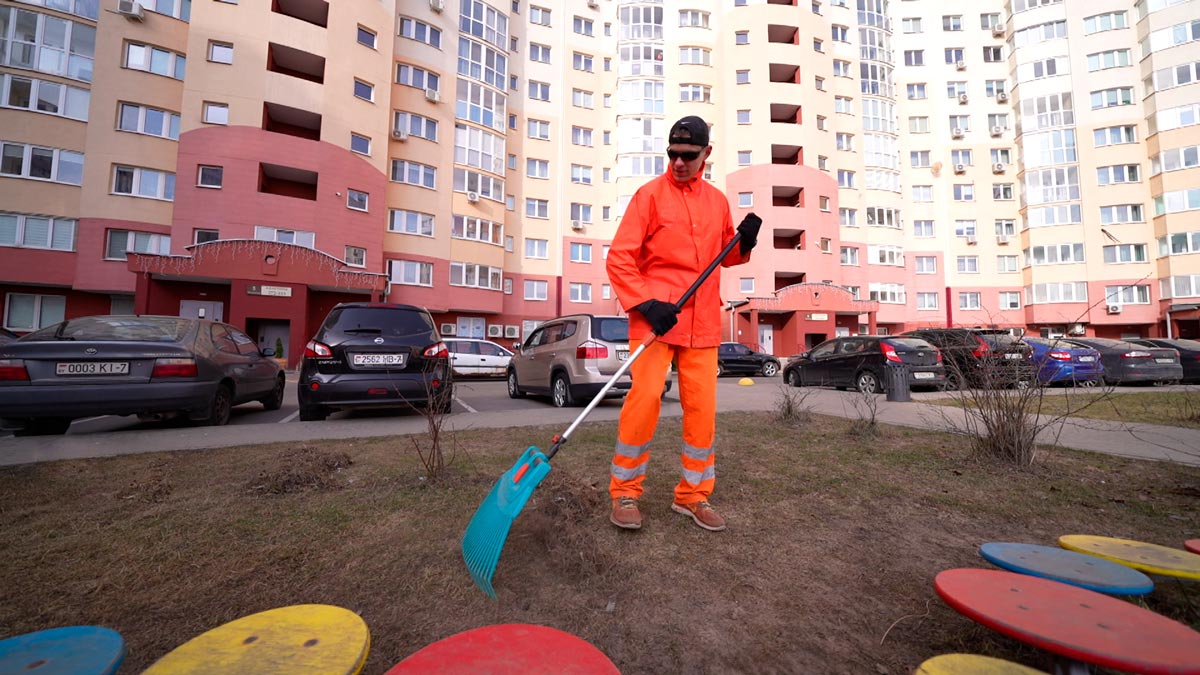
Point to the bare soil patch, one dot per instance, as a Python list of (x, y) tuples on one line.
[(827, 566)]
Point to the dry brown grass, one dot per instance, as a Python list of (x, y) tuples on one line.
[(833, 539)]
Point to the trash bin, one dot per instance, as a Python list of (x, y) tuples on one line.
[(897, 382)]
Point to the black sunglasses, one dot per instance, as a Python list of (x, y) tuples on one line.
[(687, 156)]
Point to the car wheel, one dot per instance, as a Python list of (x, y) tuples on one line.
[(222, 407), (792, 378), (312, 413), (274, 400), (45, 426), (1088, 383), (720, 369), (867, 383), (442, 405), (514, 391), (770, 369), (953, 383), (560, 391)]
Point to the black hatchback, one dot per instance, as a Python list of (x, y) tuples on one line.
[(1189, 354), (374, 355), (978, 357), (859, 362)]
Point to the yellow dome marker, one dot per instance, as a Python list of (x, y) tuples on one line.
[(745, 382)]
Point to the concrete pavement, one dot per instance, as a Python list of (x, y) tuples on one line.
[(1142, 441)]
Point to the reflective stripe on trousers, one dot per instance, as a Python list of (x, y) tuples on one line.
[(639, 416)]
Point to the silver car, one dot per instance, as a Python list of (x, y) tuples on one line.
[(571, 357)]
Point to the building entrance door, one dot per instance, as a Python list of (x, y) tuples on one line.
[(766, 339), (200, 309)]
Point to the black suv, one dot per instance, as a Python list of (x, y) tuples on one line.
[(860, 362), (980, 357), (374, 355)]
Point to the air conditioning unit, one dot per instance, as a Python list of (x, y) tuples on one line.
[(963, 99), (997, 131), (960, 64), (957, 132), (577, 225), (960, 168), (512, 331), (130, 9), (998, 30), (448, 329), (1114, 309), (400, 134), (998, 167), (437, 5), (1002, 97), (1002, 239), (432, 95), (1076, 329), (971, 239), (472, 197), (495, 330), (593, 4)]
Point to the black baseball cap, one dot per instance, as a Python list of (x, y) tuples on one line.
[(690, 130)]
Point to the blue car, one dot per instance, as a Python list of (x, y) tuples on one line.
[(1059, 361)]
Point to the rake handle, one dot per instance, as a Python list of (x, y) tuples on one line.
[(558, 441)]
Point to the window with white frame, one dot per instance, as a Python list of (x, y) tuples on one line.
[(849, 255), (360, 144), (582, 99), (136, 181), (539, 53), (910, 25), (418, 78), (745, 199), (888, 294), (410, 222), (366, 37), (841, 104), (919, 158), (964, 228), (1007, 263), (998, 120), (1046, 216), (582, 26), (605, 292), (535, 289), (1055, 254), (203, 236), (695, 56), (18, 160), (43, 96), (357, 200), (1114, 96), (1103, 22), (1010, 300), (539, 91), (482, 184), (154, 60), (1006, 227), (1119, 254), (581, 174), (847, 217), (580, 292), (1113, 58), (364, 90), (926, 264), (844, 141), (356, 256), (1047, 112), (741, 37), (120, 243), (1175, 118), (582, 62), (215, 113), (537, 248), (1002, 191), (474, 275), (916, 91), (480, 104), (1175, 159), (1177, 201), (580, 252), (1127, 295), (964, 192), (539, 15), (743, 158), (537, 168), (693, 18), (19, 230), (298, 237), (1115, 135), (884, 254), (955, 89), (878, 216), (539, 129), (742, 77), (581, 212), (923, 229), (476, 229), (1042, 32), (922, 193), (145, 120), (845, 178), (1120, 173), (969, 300), (968, 264), (1121, 213), (537, 208), (220, 52), (927, 301), (410, 273), (413, 173), (28, 312), (209, 176), (842, 68), (581, 136), (415, 125), (700, 93), (918, 125), (954, 55), (420, 32)]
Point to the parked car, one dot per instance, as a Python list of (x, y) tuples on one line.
[(1058, 361), (7, 336), (860, 362), (151, 366), (979, 357), (374, 355), (734, 358), (1126, 362), (1189, 354), (473, 357), (571, 357)]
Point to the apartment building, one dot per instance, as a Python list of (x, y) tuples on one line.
[(1025, 164)]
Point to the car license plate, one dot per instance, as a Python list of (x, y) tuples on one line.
[(93, 368), (1164, 360), (1087, 359), (922, 376), (379, 359), (622, 354), (1012, 356)]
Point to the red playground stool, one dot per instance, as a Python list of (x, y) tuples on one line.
[(1192, 545), (508, 649)]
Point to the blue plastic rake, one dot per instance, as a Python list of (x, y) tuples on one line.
[(488, 530)]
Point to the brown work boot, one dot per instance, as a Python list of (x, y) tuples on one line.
[(703, 513), (625, 514)]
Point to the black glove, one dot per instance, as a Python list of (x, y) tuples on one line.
[(749, 232), (661, 315)]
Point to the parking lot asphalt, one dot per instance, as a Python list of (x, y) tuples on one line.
[(485, 404)]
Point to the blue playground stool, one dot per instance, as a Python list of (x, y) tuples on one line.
[(1068, 567), (72, 650)]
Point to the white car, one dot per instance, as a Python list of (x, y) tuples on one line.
[(471, 357)]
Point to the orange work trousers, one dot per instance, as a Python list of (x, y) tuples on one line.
[(639, 417)]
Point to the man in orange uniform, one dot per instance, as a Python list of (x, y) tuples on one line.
[(674, 226)]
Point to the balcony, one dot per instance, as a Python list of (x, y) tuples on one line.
[(315, 12), (286, 181), (788, 35), (787, 154), (784, 72), (295, 63), (282, 119)]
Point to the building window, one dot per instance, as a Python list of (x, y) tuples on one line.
[(26, 312), (745, 200), (926, 264), (849, 256), (848, 217), (968, 301), (580, 292), (923, 229), (1010, 300), (954, 55), (216, 113), (476, 276), (535, 289), (209, 176), (952, 23), (746, 285), (1127, 295), (964, 228), (914, 57), (364, 90), (841, 69), (366, 37), (357, 200), (421, 32), (139, 182), (1104, 22), (1002, 191), (143, 120), (26, 231), (297, 237), (539, 130), (356, 256), (539, 91), (693, 18), (1007, 264), (40, 163), (916, 91), (411, 222), (410, 273), (581, 212), (154, 60), (122, 242), (539, 53), (968, 264), (413, 173), (360, 144), (220, 52), (993, 54), (539, 16), (911, 25), (823, 203), (1126, 253), (919, 159), (927, 301), (741, 37), (1108, 98), (477, 229), (581, 253), (202, 236), (845, 178), (964, 192), (537, 208), (583, 26), (417, 78)]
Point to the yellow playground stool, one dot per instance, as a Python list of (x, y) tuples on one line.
[(1152, 558), (972, 664), (296, 640)]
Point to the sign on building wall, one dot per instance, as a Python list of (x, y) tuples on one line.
[(273, 291)]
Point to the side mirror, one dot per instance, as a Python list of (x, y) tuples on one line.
[(516, 347), (804, 355), (268, 352)]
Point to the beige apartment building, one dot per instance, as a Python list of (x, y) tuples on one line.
[(1026, 164)]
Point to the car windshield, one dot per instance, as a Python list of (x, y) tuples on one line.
[(115, 329), (1110, 343), (999, 339), (1191, 345), (392, 321), (615, 329)]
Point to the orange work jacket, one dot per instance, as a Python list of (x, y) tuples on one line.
[(668, 235)]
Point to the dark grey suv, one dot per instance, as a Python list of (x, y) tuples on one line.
[(374, 355)]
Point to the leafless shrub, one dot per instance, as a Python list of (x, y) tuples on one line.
[(431, 448), (793, 407), (866, 409)]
